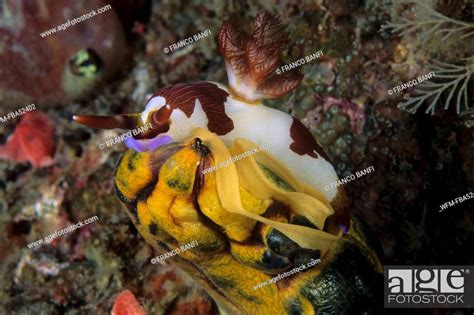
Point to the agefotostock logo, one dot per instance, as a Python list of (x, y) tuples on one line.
[(428, 287)]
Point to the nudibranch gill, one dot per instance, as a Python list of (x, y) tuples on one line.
[(236, 111)]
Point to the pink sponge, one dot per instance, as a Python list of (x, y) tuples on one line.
[(32, 140)]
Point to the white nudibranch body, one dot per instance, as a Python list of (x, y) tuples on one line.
[(259, 124)]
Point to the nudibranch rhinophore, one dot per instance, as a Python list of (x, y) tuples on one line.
[(236, 111)]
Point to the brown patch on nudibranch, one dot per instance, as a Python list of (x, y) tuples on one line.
[(304, 142), (122, 121), (253, 59), (211, 97), (160, 121)]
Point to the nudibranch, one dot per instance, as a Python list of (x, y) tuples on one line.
[(236, 112), (253, 218)]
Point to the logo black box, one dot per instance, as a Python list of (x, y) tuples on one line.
[(428, 286)]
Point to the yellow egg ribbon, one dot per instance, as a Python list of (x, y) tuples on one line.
[(305, 200)]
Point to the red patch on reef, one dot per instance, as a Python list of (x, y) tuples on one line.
[(32, 140), (304, 142), (126, 304), (211, 97), (195, 307), (160, 291)]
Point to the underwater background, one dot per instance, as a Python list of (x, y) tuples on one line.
[(420, 142)]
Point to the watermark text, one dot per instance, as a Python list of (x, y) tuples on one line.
[(174, 252), (187, 41), (76, 20), (125, 136), (428, 286), (411, 83), (235, 158), (288, 273), (48, 239), (299, 62), (350, 178), (455, 201), (17, 113)]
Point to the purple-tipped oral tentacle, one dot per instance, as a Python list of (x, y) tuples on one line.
[(147, 145), (344, 228)]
